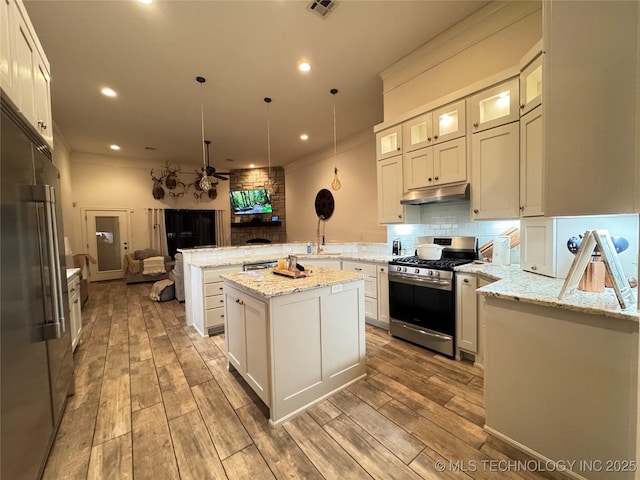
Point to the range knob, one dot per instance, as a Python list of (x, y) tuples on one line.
[(437, 274), (430, 273), (404, 269), (417, 270)]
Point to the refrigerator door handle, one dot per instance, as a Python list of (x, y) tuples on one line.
[(56, 326)]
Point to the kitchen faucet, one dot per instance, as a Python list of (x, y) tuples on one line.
[(319, 237)]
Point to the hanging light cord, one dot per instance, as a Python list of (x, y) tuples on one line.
[(201, 80), (267, 100), (335, 143)]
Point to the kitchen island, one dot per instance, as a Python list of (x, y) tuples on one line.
[(560, 374), (295, 340)]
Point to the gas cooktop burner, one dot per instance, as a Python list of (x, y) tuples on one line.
[(442, 264)]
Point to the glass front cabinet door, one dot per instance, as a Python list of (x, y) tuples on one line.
[(531, 86), (417, 133), (495, 106), (449, 122), (389, 142)]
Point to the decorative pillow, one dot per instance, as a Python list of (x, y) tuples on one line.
[(146, 253), (153, 265)]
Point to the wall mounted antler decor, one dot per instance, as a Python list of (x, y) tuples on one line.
[(169, 179)]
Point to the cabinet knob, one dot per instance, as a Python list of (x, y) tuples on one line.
[(475, 124), (358, 269), (466, 280), (399, 216), (398, 148), (221, 301), (475, 210), (522, 208), (429, 179), (534, 268), (239, 302), (428, 139), (75, 301), (42, 125), (521, 107), (437, 178), (435, 137)]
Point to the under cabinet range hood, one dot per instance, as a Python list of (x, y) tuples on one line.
[(436, 195)]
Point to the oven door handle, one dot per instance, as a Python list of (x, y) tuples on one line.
[(427, 282), (423, 331)]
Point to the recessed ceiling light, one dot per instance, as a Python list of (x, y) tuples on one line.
[(304, 67), (252, 165), (304, 136), (146, 2), (114, 147), (108, 92)]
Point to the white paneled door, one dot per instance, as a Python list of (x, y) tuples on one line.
[(106, 236)]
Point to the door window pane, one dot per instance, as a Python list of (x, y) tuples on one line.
[(108, 243)]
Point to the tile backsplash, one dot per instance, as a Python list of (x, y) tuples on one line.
[(448, 219)]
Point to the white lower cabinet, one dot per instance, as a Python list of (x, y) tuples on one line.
[(75, 310), (296, 349), (246, 335), (370, 288), (208, 299), (470, 317), (383, 297)]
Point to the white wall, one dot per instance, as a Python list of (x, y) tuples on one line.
[(488, 42), (103, 182), (62, 161), (355, 217)]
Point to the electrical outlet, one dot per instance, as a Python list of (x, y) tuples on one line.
[(364, 248), (247, 253), (287, 249), (336, 288)]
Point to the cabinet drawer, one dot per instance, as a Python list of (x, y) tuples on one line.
[(214, 317), (371, 287), (74, 286), (365, 268), (213, 275), (214, 301), (370, 308), (213, 289)]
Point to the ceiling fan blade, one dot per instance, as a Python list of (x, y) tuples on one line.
[(217, 175)]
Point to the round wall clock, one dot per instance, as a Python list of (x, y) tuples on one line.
[(324, 204)]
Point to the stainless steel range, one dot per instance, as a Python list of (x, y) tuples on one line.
[(422, 294)]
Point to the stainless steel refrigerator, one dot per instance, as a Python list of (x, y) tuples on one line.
[(36, 363)]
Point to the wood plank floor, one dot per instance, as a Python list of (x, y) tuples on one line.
[(154, 400)]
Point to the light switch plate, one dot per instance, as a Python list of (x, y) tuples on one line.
[(336, 288)]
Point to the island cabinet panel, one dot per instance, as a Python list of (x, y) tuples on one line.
[(296, 349), (246, 339), (560, 382)]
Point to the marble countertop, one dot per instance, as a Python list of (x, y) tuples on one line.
[(268, 284), (515, 284), (72, 272)]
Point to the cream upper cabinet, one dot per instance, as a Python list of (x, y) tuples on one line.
[(531, 164), (531, 85), (450, 162), (8, 69), (418, 169), (389, 142), (417, 133), (449, 122), (495, 106), (494, 171), (24, 69), (390, 210)]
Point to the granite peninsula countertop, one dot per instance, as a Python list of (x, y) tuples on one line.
[(72, 272), (515, 284), (273, 257), (268, 284)]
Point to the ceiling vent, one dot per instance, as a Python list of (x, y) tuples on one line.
[(322, 8)]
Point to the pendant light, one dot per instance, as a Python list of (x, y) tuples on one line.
[(269, 185), (206, 182), (336, 184)]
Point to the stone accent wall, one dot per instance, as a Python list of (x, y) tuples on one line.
[(251, 179)]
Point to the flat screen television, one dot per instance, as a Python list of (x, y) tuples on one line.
[(250, 201)]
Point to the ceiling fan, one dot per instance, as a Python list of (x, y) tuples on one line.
[(211, 171)]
